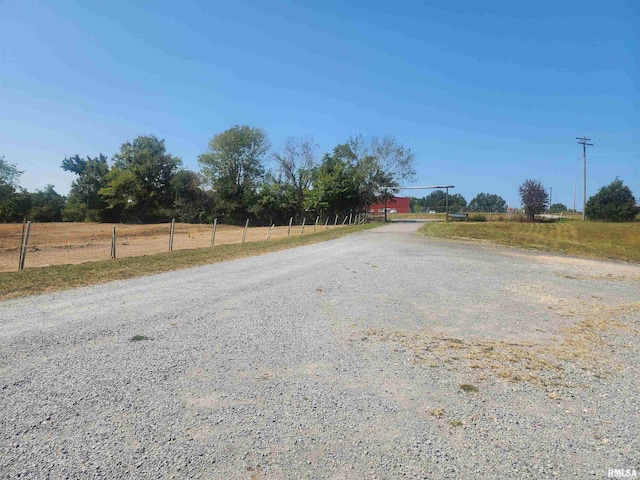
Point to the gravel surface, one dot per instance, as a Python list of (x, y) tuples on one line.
[(384, 354)]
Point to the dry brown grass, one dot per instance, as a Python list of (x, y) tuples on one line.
[(581, 346), (619, 241), (75, 243)]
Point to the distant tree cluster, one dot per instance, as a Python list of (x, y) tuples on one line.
[(145, 183), (437, 201)]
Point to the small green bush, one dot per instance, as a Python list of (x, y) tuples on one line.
[(477, 217)]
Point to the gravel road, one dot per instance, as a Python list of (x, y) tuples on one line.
[(384, 354)]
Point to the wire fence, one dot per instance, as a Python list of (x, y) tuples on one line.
[(50, 244)]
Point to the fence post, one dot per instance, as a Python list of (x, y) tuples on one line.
[(113, 242), (270, 230), (173, 225), (244, 234), (289, 231), (213, 235), (326, 223), (314, 227), (345, 219), (350, 214), (335, 224), (304, 219), (23, 247)]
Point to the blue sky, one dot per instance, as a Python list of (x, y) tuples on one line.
[(486, 94)]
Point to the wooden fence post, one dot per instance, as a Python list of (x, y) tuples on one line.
[(314, 227), (335, 224), (345, 219), (350, 218), (113, 242), (244, 234), (171, 230), (270, 230), (23, 247), (213, 235), (289, 231), (304, 219), (326, 223)]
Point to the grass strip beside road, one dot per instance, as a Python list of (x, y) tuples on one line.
[(619, 241), (48, 279)]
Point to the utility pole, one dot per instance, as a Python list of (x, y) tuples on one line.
[(550, 192), (583, 141), (574, 194)]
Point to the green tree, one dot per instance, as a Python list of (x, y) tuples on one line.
[(558, 207), (613, 203), (487, 202), (46, 205), (534, 198), (191, 203), (233, 165), (437, 200), (85, 203), (335, 188), (296, 163), (138, 186), (14, 202)]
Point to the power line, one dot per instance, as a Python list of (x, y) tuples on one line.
[(583, 141)]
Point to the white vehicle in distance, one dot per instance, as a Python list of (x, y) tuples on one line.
[(432, 211)]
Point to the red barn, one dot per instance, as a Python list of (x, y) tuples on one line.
[(394, 205)]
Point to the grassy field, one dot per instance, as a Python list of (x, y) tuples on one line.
[(59, 277), (620, 241)]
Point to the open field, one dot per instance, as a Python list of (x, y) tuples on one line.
[(620, 241), (382, 354), (59, 277), (73, 243)]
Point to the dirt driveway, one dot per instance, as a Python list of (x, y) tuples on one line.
[(379, 355)]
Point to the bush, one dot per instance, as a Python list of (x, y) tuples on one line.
[(613, 203), (478, 217)]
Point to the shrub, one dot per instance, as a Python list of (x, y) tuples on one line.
[(613, 203), (477, 217)]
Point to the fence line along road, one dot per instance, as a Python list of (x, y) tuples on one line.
[(72, 243)]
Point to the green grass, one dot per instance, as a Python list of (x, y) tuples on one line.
[(48, 279), (139, 338), (620, 241)]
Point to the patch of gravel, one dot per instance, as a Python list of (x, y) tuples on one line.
[(336, 360)]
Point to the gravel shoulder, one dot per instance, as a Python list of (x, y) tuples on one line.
[(343, 359)]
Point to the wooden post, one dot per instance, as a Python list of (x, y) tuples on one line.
[(345, 219), (304, 219), (23, 249), (244, 234), (270, 230), (326, 223), (314, 227), (289, 231), (335, 224), (113, 242), (171, 230), (24, 226), (350, 214), (213, 235)]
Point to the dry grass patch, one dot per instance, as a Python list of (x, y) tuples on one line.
[(47, 279), (583, 346), (619, 241)]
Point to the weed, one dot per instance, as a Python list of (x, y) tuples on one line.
[(468, 387), (139, 338), (456, 423)]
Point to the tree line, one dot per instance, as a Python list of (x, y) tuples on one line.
[(145, 183)]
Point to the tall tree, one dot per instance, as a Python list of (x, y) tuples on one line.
[(233, 165), (85, 203), (534, 198), (138, 186), (487, 202), (613, 203), (437, 200), (14, 202), (378, 163), (296, 163)]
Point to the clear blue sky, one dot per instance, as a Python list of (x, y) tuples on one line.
[(487, 94)]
